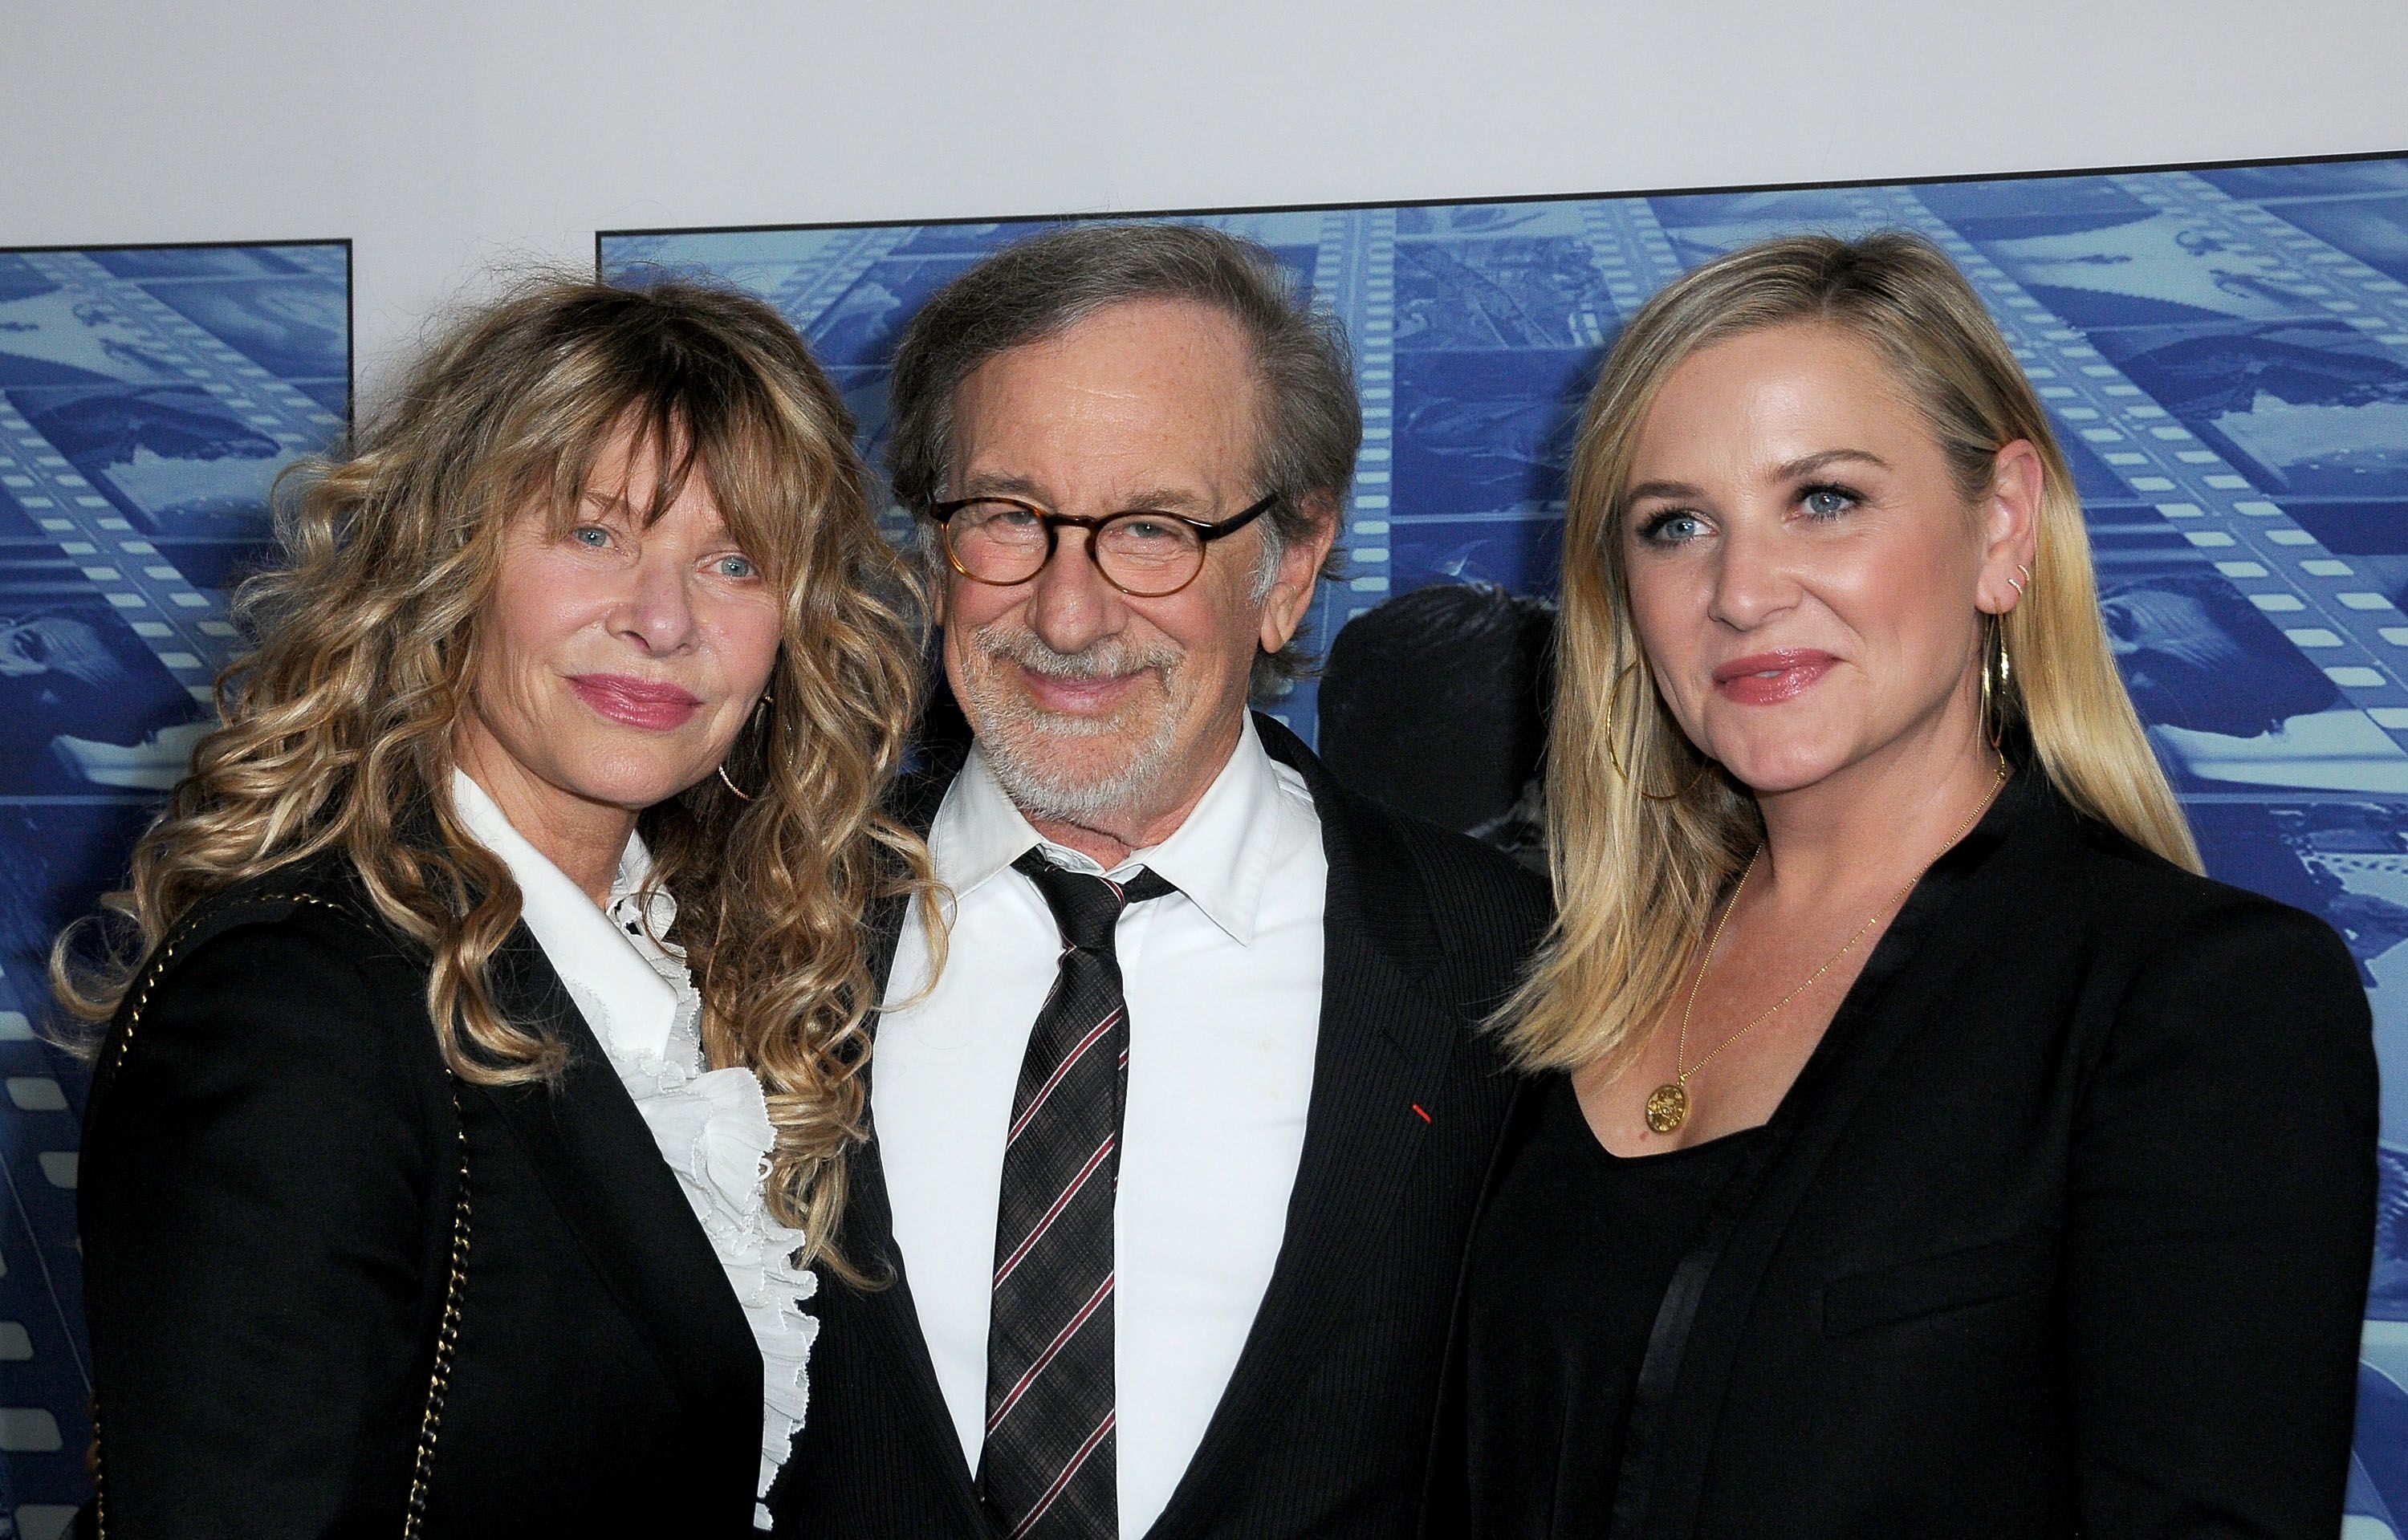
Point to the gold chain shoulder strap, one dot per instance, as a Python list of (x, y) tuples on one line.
[(157, 967), (446, 1342), (447, 1330)]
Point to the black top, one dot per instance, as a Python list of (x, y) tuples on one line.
[(2063, 1228), (1566, 1273), (1324, 1428), (271, 1171)]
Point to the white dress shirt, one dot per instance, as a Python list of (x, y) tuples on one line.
[(1223, 980), (630, 983)]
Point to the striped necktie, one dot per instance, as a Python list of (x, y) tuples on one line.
[(1047, 1470)]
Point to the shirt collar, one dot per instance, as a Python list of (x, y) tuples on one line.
[(622, 997), (1220, 858)]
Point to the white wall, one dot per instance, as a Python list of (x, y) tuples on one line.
[(444, 136)]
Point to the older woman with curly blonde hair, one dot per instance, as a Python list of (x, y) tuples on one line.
[(485, 1030)]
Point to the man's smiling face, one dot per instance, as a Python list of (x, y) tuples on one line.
[(1096, 708)]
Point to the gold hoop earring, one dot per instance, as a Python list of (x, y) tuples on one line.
[(1611, 754), (1998, 674), (760, 711)]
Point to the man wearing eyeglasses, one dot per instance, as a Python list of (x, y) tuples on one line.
[(1173, 1165)]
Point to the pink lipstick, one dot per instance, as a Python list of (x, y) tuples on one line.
[(635, 703), (1762, 678)]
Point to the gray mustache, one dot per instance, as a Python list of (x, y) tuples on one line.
[(1103, 660)]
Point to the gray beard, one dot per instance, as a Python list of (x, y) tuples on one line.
[(1019, 739)]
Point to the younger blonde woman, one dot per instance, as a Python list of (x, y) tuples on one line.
[(1925, 1146), (476, 1088)]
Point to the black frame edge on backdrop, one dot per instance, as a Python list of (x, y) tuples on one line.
[(1710, 191)]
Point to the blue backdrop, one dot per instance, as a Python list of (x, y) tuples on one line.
[(147, 396), (2225, 351)]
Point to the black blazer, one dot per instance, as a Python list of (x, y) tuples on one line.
[(2064, 1228), (1324, 1427), (271, 1165)]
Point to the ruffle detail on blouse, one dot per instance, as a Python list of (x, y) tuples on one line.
[(714, 1129)]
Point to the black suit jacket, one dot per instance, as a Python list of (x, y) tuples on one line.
[(271, 1160), (2063, 1229), (1324, 1427)]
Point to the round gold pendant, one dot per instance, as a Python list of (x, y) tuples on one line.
[(1667, 1107)]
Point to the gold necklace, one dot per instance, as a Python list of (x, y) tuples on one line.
[(1668, 1104)]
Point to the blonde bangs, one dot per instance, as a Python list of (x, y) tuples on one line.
[(335, 728)]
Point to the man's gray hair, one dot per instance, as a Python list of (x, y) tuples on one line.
[(1040, 288)]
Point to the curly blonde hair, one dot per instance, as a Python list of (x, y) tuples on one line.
[(336, 728)]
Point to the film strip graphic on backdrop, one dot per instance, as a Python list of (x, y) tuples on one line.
[(148, 397), (2224, 349)]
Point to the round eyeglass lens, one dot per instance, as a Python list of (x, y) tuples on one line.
[(997, 542), (1148, 554)]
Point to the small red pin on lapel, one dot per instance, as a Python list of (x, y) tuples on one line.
[(1419, 1113)]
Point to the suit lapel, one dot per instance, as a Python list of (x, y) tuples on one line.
[(886, 1315), (1383, 1043), (1691, 1350), (600, 1164)]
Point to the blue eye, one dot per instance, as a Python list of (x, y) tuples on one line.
[(591, 536), (1826, 501), (1671, 527), (736, 566)]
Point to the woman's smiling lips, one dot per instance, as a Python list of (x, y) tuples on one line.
[(637, 703), (1762, 678)]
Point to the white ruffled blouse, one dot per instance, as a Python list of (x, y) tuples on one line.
[(712, 1125)]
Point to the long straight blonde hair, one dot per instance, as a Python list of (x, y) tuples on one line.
[(334, 730), (1635, 877)]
